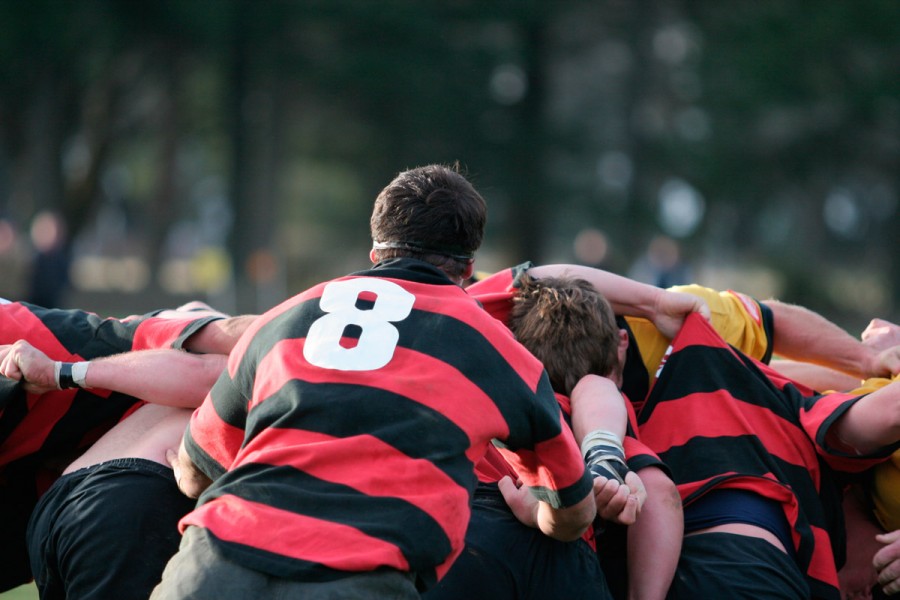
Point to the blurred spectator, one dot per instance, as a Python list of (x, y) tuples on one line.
[(49, 279), (662, 265)]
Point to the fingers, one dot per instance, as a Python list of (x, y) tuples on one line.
[(9, 362), (615, 502), (507, 487), (889, 578), (634, 483), (887, 562)]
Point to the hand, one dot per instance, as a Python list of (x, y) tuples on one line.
[(522, 502), (881, 334), (22, 361), (190, 480), (887, 362), (673, 307), (887, 562), (619, 503)]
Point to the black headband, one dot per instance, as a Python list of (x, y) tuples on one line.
[(453, 253)]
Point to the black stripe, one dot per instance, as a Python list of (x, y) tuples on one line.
[(86, 334), (88, 414), (13, 406), (768, 322), (394, 520), (229, 403)]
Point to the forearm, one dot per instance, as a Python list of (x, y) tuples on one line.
[(168, 377), (654, 540), (219, 337), (566, 524), (872, 422), (597, 404), (802, 335), (817, 377), (627, 297), (666, 309)]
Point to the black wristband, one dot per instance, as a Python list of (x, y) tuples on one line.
[(66, 380)]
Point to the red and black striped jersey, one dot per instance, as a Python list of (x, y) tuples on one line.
[(720, 420), (61, 422), (343, 434), (742, 321)]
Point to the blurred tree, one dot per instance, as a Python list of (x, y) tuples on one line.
[(760, 135)]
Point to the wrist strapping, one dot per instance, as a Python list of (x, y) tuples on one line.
[(604, 455), (70, 375)]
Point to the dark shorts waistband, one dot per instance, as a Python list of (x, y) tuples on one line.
[(135, 464)]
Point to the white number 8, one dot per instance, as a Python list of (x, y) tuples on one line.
[(378, 339)]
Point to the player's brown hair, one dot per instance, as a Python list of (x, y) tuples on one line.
[(432, 213), (568, 325)]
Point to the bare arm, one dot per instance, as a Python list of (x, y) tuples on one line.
[(665, 309), (654, 541), (565, 524), (597, 404), (219, 337), (816, 377), (803, 335), (168, 377), (872, 422)]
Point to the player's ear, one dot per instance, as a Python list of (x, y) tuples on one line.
[(372, 256), (470, 269)]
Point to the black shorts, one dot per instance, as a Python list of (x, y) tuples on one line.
[(106, 531), (737, 567), (506, 560)]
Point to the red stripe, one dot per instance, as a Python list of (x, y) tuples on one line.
[(155, 332), (822, 566), (20, 323), (718, 414), (240, 348), (288, 534), (217, 438), (325, 457)]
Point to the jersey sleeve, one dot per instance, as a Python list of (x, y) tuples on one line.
[(152, 332), (553, 468), (819, 414), (215, 433), (495, 293)]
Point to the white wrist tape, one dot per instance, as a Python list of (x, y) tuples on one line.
[(79, 373)]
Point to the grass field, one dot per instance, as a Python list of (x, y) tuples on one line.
[(25, 592)]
